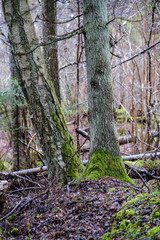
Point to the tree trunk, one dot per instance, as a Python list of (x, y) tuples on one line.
[(17, 132), (16, 123), (45, 111), (50, 52), (104, 149)]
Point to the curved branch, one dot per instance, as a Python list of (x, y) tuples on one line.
[(138, 54), (59, 38)]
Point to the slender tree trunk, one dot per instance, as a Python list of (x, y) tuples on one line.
[(78, 74), (104, 149), (45, 111), (16, 123), (50, 52)]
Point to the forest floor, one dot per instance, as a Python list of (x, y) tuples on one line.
[(80, 210)]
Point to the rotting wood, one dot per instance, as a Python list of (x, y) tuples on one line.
[(3, 185), (3, 188)]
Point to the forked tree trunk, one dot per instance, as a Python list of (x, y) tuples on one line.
[(46, 114), (104, 149), (50, 52)]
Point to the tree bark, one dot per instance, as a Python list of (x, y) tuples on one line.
[(104, 146), (50, 52), (103, 132), (45, 111)]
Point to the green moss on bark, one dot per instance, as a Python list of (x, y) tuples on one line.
[(102, 164), (75, 167)]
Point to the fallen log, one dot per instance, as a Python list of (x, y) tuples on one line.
[(44, 168), (145, 172), (152, 155), (26, 171), (122, 140)]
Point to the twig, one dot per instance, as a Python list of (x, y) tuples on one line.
[(31, 147), (39, 153), (59, 173), (8, 214), (83, 133), (59, 22), (136, 171), (29, 201), (136, 55), (122, 140), (26, 189), (23, 204), (70, 64), (15, 175)]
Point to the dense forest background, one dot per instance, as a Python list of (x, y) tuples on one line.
[(33, 206), (134, 27)]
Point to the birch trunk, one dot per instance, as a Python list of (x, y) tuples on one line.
[(45, 111)]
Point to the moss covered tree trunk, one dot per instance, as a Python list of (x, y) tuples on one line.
[(46, 114), (105, 157), (50, 52)]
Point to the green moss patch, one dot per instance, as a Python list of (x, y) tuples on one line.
[(154, 232), (111, 189), (138, 219), (14, 231), (147, 163), (102, 164), (120, 111), (11, 217)]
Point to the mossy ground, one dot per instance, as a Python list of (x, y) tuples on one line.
[(139, 218)]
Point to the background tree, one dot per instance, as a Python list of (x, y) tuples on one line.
[(50, 52)]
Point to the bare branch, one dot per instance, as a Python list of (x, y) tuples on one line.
[(8, 214), (26, 189), (59, 22), (138, 54), (70, 64), (139, 175), (31, 147), (59, 38)]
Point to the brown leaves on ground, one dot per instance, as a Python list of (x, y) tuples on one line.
[(80, 210)]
